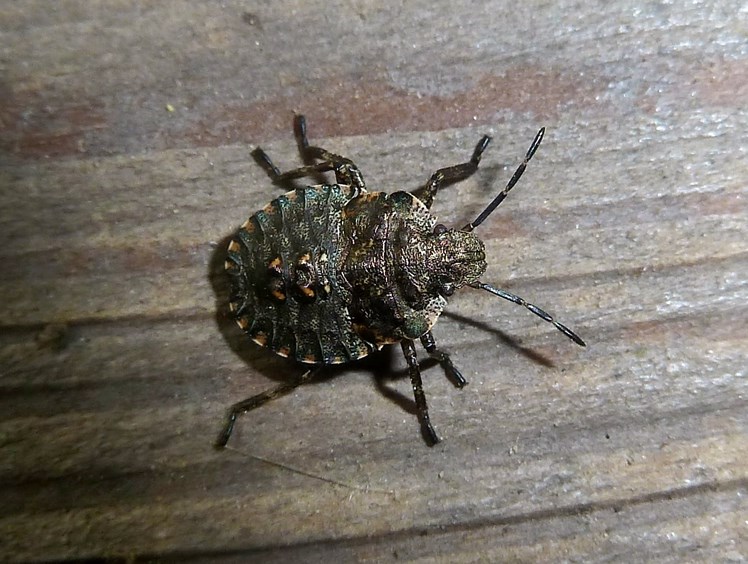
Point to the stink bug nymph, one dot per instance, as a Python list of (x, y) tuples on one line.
[(327, 274)]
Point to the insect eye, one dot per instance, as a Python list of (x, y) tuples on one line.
[(439, 229), (447, 289)]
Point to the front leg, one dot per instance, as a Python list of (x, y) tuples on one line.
[(451, 174), (409, 350), (428, 342)]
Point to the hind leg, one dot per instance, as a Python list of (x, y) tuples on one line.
[(260, 399)]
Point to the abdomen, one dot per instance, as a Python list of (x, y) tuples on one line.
[(286, 290)]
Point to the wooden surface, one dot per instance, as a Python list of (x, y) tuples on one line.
[(125, 129)]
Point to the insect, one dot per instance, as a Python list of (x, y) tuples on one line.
[(327, 274)]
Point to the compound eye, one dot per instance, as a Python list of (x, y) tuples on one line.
[(439, 229), (447, 289)]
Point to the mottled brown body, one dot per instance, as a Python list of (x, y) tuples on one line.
[(327, 274)]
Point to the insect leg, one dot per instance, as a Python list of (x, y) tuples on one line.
[(428, 342), (277, 176), (345, 171), (451, 174), (301, 138), (409, 350), (258, 400)]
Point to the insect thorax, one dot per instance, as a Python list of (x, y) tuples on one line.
[(399, 269)]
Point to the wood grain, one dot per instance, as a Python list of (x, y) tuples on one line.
[(125, 132)]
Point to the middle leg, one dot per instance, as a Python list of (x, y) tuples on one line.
[(409, 350), (345, 171)]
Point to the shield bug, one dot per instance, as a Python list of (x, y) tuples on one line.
[(327, 274)]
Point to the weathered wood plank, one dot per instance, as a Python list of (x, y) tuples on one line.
[(117, 361)]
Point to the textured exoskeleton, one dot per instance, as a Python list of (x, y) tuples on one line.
[(327, 274)]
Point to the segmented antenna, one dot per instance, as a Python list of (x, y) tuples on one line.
[(515, 177), (533, 308)]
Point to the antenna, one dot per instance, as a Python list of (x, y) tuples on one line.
[(515, 177), (533, 308)]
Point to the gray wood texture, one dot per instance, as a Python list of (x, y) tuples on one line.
[(125, 132)]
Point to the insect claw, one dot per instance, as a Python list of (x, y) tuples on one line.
[(458, 378), (429, 434), (223, 438)]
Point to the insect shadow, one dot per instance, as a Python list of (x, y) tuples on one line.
[(381, 363), (505, 338)]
